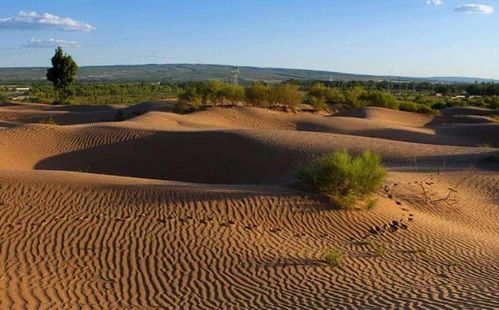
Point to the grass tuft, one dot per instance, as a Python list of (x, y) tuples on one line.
[(379, 251), (343, 177), (422, 250), (333, 257)]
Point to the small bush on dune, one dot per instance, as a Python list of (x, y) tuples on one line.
[(190, 100), (492, 102), (232, 94), (335, 96), (258, 94), (3, 98), (415, 107), (352, 96), (343, 177), (379, 251), (319, 96), (317, 103), (212, 92), (379, 99), (333, 257), (288, 95)]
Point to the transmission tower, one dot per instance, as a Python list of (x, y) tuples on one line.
[(235, 75)]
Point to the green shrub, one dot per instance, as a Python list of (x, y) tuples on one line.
[(190, 100), (379, 251), (3, 98), (492, 102), (379, 99), (333, 257), (232, 94), (288, 95), (415, 107), (343, 177), (319, 96), (439, 105), (212, 92), (352, 96), (317, 103), (258, 94), (335, 96), (422, 250)]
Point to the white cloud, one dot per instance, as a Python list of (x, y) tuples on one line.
[(435, 2), (50, 43), (473, 8), (35, 21)]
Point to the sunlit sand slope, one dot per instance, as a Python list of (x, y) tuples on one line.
[(72, 241), (99, 215)]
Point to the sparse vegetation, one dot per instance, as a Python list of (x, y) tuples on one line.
[(190, 100), (320, 96), (422, 250), (215, 93), (420, 97), (333, 257), (3, 97), (286, 95), (365, 242), (379, 251), (100, 94), (258, 94), (378, 99), (455, 263), (343, 177)]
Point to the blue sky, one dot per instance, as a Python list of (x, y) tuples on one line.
[(400, 37)]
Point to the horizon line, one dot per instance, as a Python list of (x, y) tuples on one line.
[(269, 67)]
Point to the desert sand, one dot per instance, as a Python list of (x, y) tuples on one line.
[(199, 211)]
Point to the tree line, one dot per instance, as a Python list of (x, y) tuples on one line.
[(446, 89), (320, 96), (408, 96)]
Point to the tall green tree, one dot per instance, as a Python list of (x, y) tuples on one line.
[(62, 75)]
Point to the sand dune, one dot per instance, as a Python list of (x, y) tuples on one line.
[(100, 215), (398, 117), (73, 240), (255, 156)]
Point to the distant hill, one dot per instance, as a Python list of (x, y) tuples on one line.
[(198, 72), (461, 79)]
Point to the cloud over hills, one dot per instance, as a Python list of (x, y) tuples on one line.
[(37, 21)]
